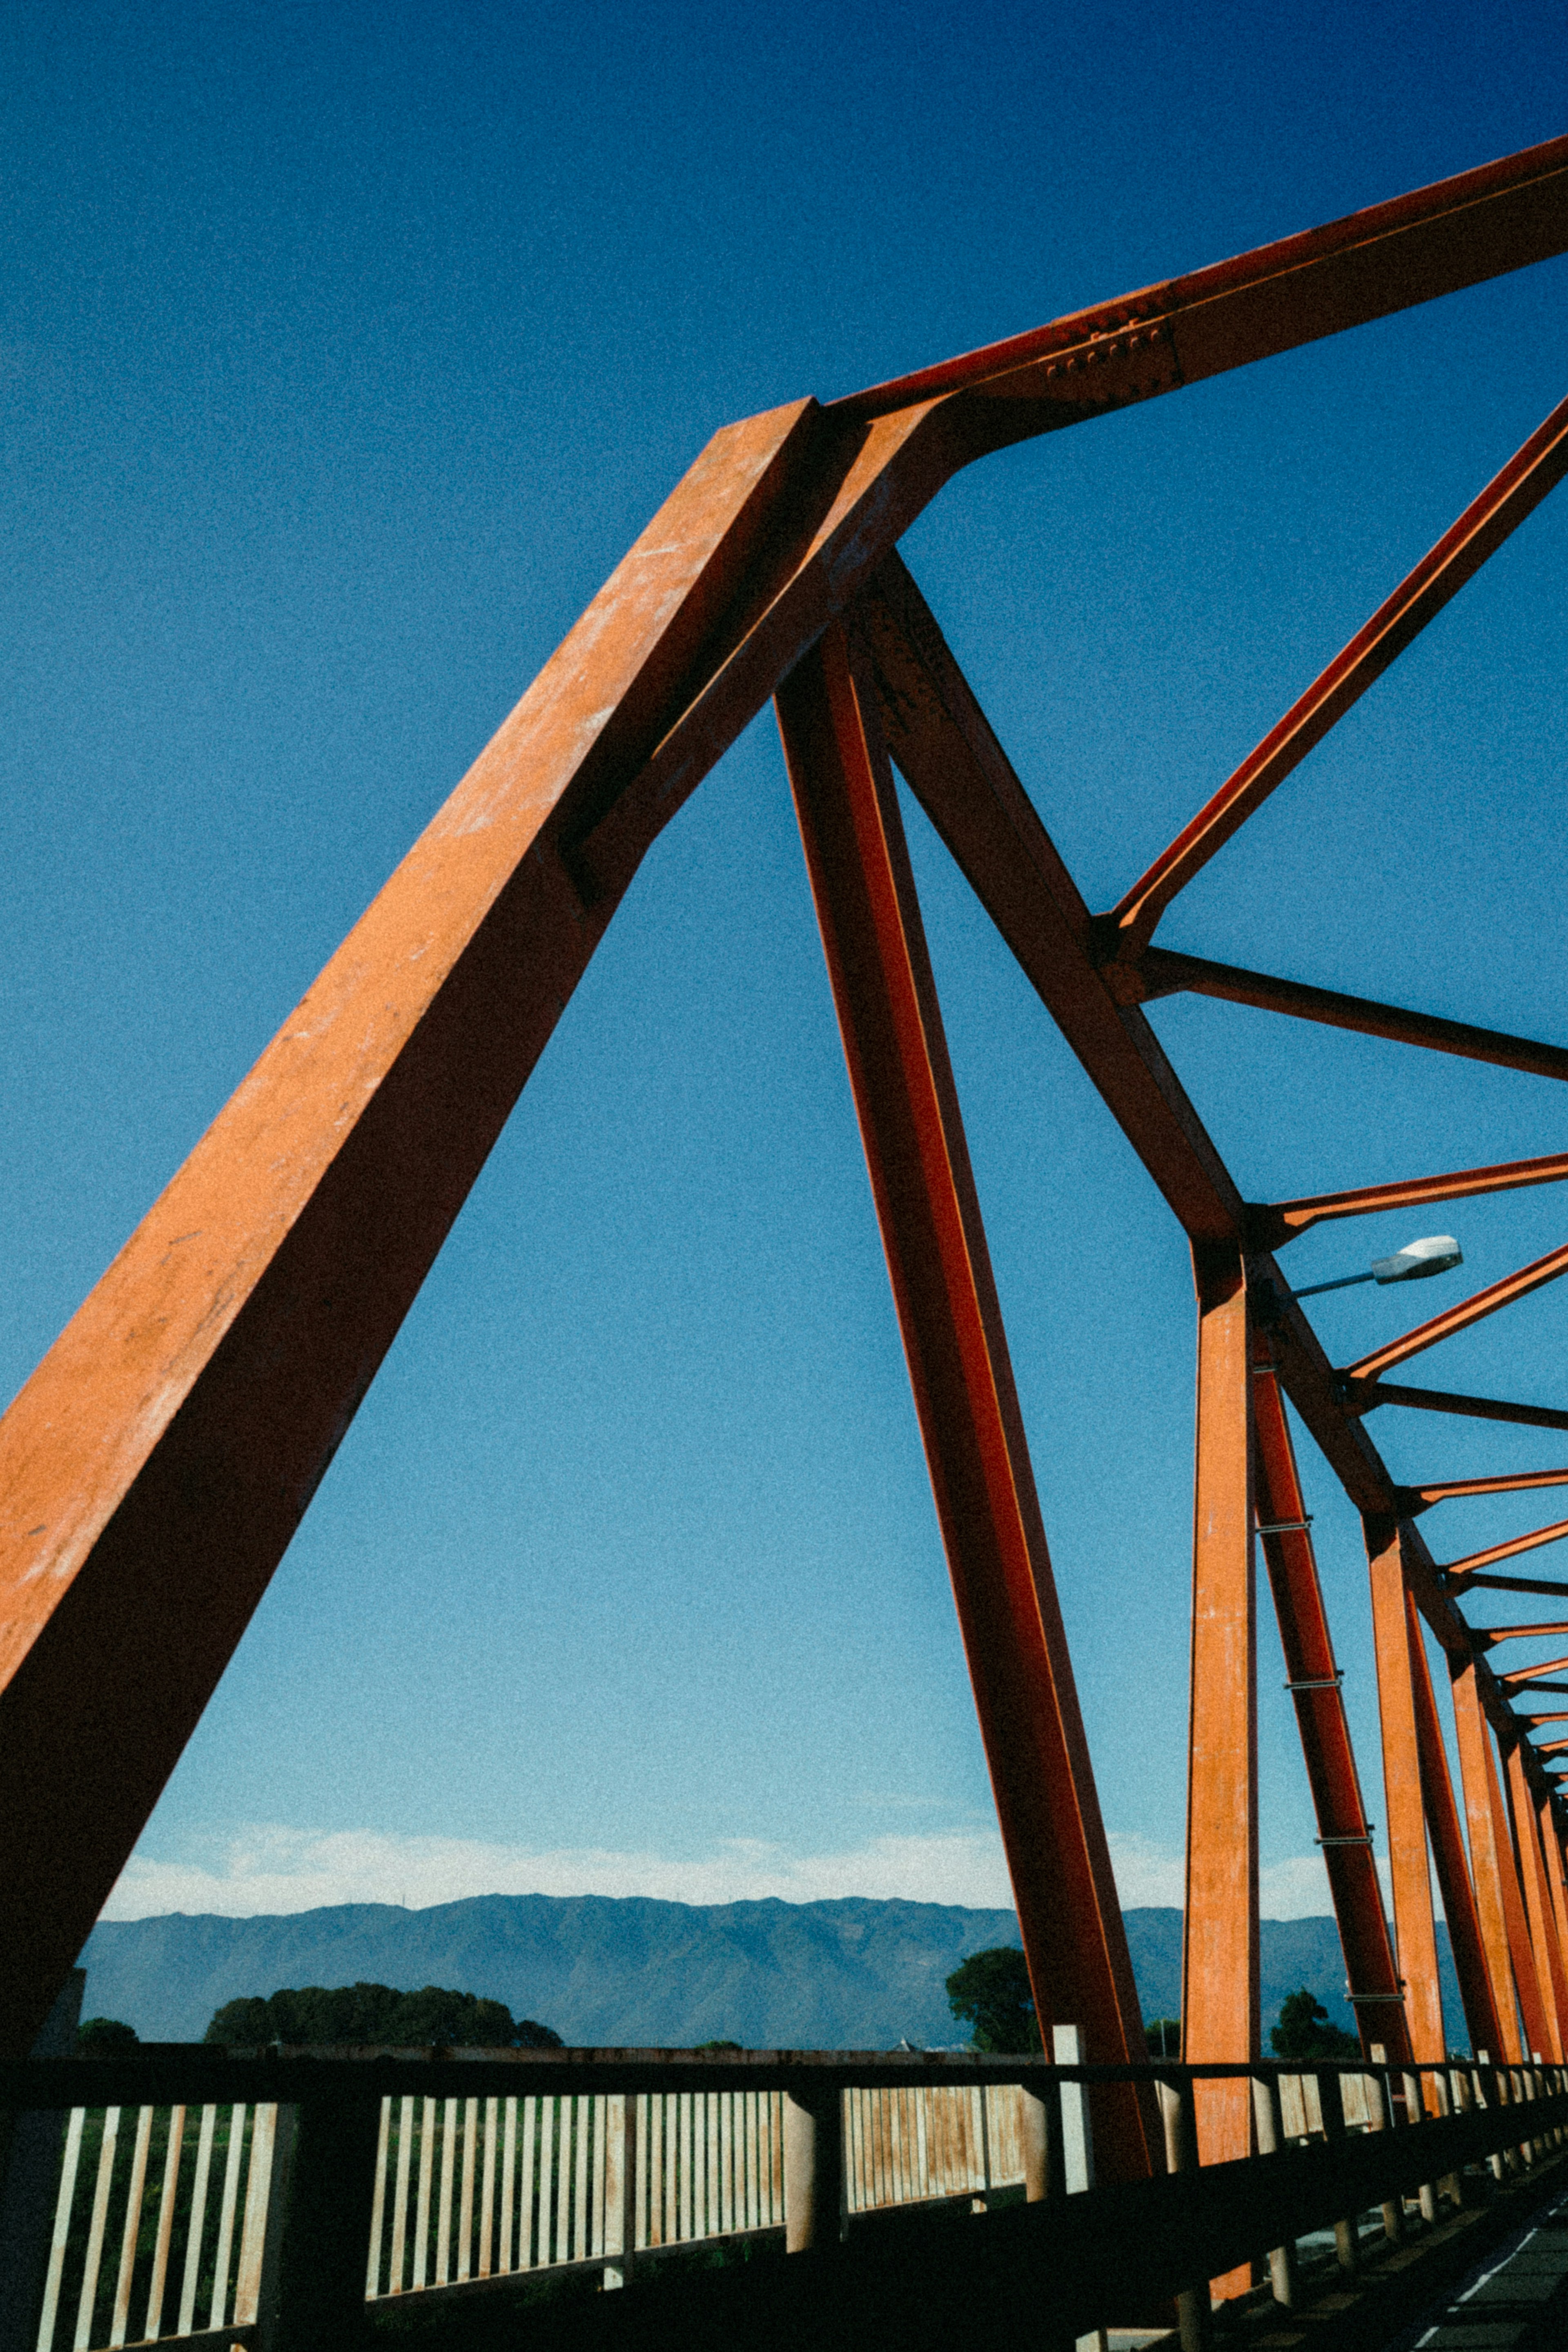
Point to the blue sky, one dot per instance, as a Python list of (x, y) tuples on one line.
[(343, 351)]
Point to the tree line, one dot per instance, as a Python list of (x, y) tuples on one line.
[(365, 2013)]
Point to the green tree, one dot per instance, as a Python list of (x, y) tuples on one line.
[(105, 2037), (1164, 2036), (364, 2014), (1304, 2031), (990, 1993)]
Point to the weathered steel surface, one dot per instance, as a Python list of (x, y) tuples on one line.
[(1312, 1674), (1404, 1801), (959, 1369), (154, 1468), (1220, 1932)]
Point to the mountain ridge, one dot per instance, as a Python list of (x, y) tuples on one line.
[(850, 1972)]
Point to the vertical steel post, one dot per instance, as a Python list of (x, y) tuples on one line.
[(1415, 1929), (816, 2212), (1454, 1881), (1477, 1774), (1220, 1933), (1538, 1903), (1526, 1974), (1326, 1749), (951, 1320), (1270, 2126)]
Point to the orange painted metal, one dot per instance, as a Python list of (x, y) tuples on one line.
[(1485, 524), (1551, 1838), (1285, 1218), (1496, 1296), (1488, 1636), (1477, 1992), (959, 1367), (159, 1461), (1521, 1951), (1477, 1776), (1220, 2021), (1414, 1924), (1513, 1483), (1160, 971), (1364, 1396), (1526, 1674), (1313, 1677), (1539, 1913), (157, 1464), (1475, 1559), (1500, 216)]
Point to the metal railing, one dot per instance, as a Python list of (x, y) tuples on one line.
[(175, 2209)]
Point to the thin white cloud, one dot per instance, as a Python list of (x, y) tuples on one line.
[(268, 1869)]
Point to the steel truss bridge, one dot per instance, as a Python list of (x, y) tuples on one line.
[(158, 1462)]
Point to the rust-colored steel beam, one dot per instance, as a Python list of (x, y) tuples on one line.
[(1550, 1839), (1312, 1678), (959, 1367), (1220, 1935), (1487, 1637), (1527, 1972), (1272, 1223), (1527, 1675), (159, 1460), (1513, 1584), (1457, 233), (1548, 1747), (157, 1464), (1486, 523), (1160, 971), (1365, 1396), (1476, 1994), (1414, 1924), (1474, 1309), (1488, 1857), (1477, 1559), (1514, 1482), (1539, 1914), (962, 777)]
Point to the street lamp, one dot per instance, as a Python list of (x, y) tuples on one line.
[(1413, 1263)]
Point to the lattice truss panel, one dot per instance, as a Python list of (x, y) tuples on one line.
[(157, 1464)]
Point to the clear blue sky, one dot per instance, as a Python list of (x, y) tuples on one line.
[(344, 350)]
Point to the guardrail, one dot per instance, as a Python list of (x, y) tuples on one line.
[(272, 2198)]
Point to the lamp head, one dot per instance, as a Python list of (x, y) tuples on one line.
[(1416, 1260)]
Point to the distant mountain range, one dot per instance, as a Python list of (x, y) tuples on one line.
[(849, 1975)]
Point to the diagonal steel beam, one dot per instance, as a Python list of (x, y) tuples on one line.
[(1468, 1567), (1488, 1636), (1365, 1396), (1474, 1309), (951, 1320), (1515, 1584), (155, 1466), (1489, 519), (1274, 1222), (1160, 972), (1512, 1482)]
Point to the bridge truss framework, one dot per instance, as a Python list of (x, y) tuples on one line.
[(158, 1462)]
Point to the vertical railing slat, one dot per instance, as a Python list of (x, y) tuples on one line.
[(95, 2228), (135, 2190), (197, 2228), (57, 2244), (422, 2208), (444, 2200), (166, 2225), (508, 2183), (488, 2192), (525, 2214), (466, 2219), (258, 2194), (377, 2206), (397, 2256), (226, 2216)]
